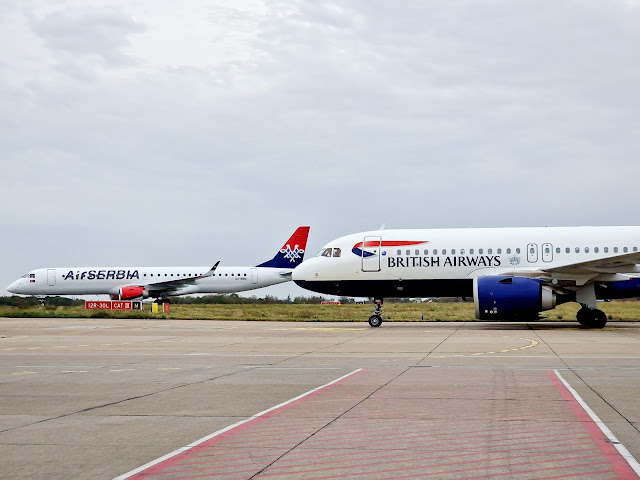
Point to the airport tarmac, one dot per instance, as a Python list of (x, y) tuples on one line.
[(170, 399)]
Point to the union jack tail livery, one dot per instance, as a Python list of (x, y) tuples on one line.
[(292, 252)]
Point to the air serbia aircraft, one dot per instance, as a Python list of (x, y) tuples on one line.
[(511, 273), (162, 282)]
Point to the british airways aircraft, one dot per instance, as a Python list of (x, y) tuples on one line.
[(163, 282), (511, 273)]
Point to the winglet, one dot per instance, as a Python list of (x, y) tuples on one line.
[(212, 271), (292, 252)]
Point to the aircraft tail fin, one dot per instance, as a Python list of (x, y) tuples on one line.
[(292, 252)]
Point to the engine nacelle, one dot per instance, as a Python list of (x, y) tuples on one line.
[(504, 298), (126, 293)]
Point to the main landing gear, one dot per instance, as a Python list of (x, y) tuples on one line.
[(375, 320), (591, 318)]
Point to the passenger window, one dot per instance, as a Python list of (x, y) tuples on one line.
[(426, 252), (596, 249), (577, 249), (480, 251), (336, 252), (490, 251), (327, 252), (499, 251), (444, 251), (453, 251), (568, 250), (635, 249), (557, 249), (399, 252), (417, 252), (625, 249), (508, 251), (586, 249), (606, 249), (435, 251), (615, 249), (462, 251), (471, 251), (518, 251)]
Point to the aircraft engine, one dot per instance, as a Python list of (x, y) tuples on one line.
[(126, 293), (504, 298)]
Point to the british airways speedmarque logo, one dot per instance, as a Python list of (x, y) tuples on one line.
[(359, 249), (292, 255)]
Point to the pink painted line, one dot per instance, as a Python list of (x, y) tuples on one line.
[(443, 472), (156, 466), (617, 461), (525, 472), (403, 441)]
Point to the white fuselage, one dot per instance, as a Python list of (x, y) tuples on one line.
[(443, 262), (107, 280)]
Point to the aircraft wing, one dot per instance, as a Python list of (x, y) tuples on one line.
[(609, 269), (626, 263), (178, 283)]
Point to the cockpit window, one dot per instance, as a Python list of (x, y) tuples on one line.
[(336, 252), (326, 252)]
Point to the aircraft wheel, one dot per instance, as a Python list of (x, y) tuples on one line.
[(375, 320), (591, 318), (583, 316), (599, 319)]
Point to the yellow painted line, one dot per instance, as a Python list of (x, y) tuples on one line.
[(9, 348), (23, 373), (83, 345), (532, 343), (75, 371), (34, 348), (123, 370)]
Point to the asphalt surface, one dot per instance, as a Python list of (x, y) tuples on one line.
[(102, 398)]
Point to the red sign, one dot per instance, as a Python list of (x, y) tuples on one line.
[(107, 305)]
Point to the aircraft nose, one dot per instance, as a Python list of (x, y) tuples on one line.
[(14, 287), (303, 272)]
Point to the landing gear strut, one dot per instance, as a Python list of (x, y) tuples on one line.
[(591, 318), (375, 320)]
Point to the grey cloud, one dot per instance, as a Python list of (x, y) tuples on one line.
[(99, 33)]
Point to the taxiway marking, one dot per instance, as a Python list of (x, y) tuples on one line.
[(148, 469)]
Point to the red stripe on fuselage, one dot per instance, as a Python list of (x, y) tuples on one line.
[(388, 243)]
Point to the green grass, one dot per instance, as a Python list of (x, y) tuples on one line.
[(398, 312)]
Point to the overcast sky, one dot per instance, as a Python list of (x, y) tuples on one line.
[(151, 132)]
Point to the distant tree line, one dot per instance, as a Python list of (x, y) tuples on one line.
[(232, 299)]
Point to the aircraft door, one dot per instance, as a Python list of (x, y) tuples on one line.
[(51, 277), (547, 252), (371, 254), (254, 276), (532, 252)]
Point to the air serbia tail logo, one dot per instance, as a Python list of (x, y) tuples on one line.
[(288, 257), (359, 248), (294, 254)]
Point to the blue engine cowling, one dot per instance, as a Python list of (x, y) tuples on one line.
[(504, 298)]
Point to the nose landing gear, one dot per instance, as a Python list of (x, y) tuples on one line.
[(375, 320)]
